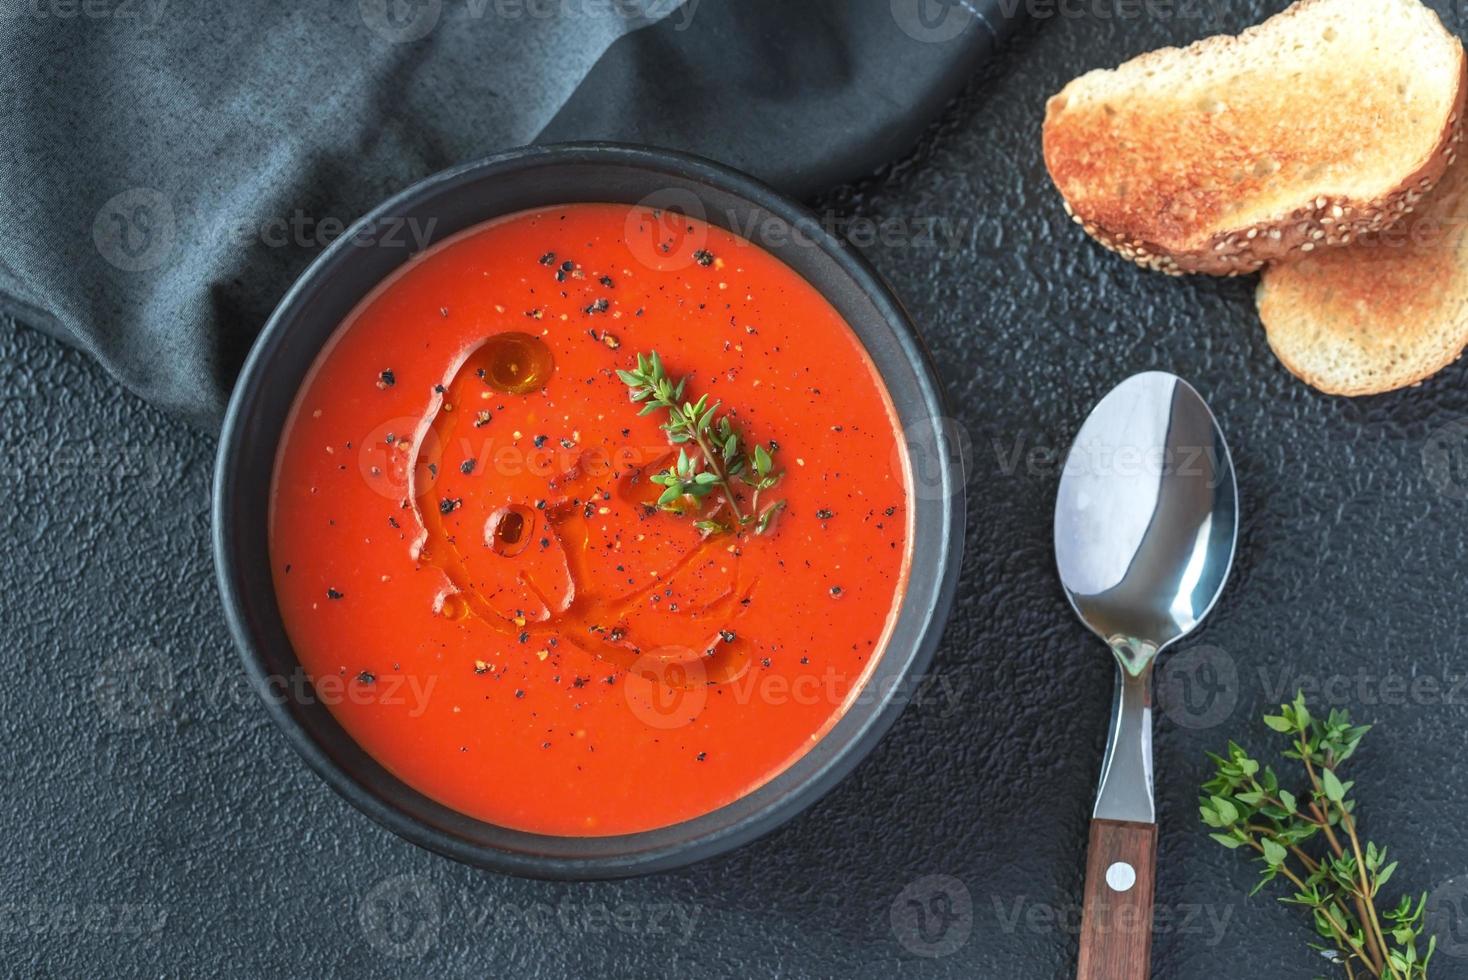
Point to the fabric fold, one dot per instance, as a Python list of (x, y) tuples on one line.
[(170, 167)]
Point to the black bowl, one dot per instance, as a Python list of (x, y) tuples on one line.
[(451, 202)]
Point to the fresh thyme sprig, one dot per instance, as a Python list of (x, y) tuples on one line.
[(720, 458), (1337, 880)]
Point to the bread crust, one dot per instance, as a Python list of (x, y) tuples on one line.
[(1317, 221)]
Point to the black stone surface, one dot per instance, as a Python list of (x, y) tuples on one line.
[(157, 825)]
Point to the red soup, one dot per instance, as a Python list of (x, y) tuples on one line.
[(543, 585)]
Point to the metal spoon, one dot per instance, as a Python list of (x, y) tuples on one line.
[(1145, 526)]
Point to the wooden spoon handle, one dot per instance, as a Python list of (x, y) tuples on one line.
[(1116, 924)]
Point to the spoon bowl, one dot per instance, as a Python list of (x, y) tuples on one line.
[(1147, 516)]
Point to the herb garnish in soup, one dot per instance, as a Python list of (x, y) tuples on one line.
[(591, 520)]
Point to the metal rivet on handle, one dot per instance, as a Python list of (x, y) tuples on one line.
[(1121, 876)]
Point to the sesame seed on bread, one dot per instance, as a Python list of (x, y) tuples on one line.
[(1386, 311), (1325, 122)]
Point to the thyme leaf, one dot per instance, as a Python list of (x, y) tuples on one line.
[(712, 453), (1311, 840)]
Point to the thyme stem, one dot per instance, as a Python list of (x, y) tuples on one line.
[(722, 456), (1246, 806)]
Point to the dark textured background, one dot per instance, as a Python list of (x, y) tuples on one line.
[(157, 823)]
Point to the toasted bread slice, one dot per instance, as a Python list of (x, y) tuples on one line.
[(1382, 313), (1326, 121)]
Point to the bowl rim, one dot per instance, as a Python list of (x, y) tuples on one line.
[(784, 802)]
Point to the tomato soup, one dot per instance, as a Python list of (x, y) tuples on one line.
[(522, 588)]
